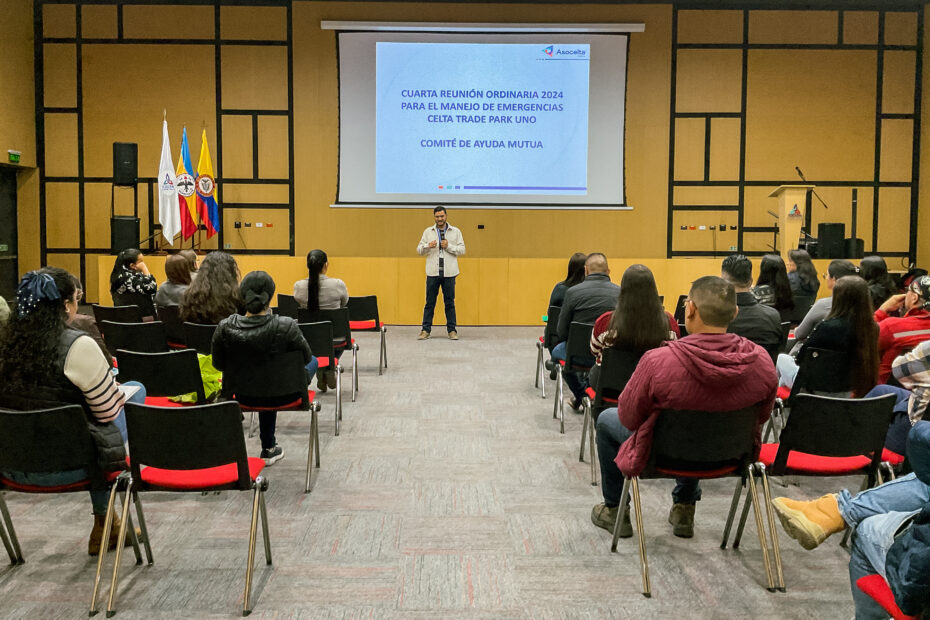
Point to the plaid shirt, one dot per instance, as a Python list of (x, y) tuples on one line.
[(912, 370)]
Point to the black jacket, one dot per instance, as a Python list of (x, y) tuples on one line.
[(586, 301), (907, 566), (759, 323), (241, 340)]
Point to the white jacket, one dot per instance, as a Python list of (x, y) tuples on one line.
[(454, 248)]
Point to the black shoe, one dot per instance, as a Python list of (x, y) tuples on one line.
[(272, 456), (553, 370)]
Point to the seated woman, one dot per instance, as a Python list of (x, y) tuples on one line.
[(178, 269), (638, 323), (87, 323), (875, 272), (320, 292), (42, 358), (773, 287), (850, 329), (575, 276), (242, 340), (131, 284), (803, 278), (214, 294)]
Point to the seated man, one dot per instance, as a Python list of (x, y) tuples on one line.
[(755, 321), (837, 269), (583, 303), (912, 370), (708, 370), (899, 334), (879, 515)]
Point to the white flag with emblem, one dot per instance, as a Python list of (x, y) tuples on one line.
[(168, 213)]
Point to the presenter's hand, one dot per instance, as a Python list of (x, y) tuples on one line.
[(432, 244), (445, 243)]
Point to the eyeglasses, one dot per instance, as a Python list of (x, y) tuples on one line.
[(78, 295)]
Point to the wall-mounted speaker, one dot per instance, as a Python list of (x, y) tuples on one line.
[(125, 163)]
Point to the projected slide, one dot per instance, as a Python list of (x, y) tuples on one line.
[(482, 118)]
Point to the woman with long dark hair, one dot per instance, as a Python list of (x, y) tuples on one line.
[(773, 287), (875, 272), (574, 276), (319, 291), (214, 294), (850, 329), (41, 358), (131, 283), (801, 274)]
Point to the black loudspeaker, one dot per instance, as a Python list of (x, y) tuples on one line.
[(830, 236), (125, 163), (855, 248), (124, 233)]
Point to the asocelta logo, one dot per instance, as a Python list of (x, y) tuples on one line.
[(548, 51)]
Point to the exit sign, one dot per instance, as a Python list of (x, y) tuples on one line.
[(14, 156)]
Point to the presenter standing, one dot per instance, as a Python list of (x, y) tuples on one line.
[(442, 244)]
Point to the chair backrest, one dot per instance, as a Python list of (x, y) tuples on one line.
[(187, 438), (802, 303), (277, 379), (578, 349), (143, 300), (364, 309), (617, 366), (339, 317), (692, 440), (680, 309), (45, 439), (148, 337), (320, 338), (552, 324), (170, 373), (117, 314), (199, 336), (174, 326), (822, 370), (287, 305)]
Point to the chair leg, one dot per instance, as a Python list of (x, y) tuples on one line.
[(266, 534), (539, 363), (131, 532), (11, 544), (354, 372), (742, 520), (313, 442), (733, 506), (382, 356), (142, 526), (107, 525), (555, 395), (253, 534), (339, 370), (316, 435), (776, 548), (584, 427), (624, 501), (251, 425), (643, 562), (591, 447), (121, 539), (760, 528)]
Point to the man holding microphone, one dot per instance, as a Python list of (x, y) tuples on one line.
[(442, 244)]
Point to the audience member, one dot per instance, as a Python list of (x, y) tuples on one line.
[(879, 516), (43, 359), (849, 329), (708, 370), (575, 276), (637, 324), (177, 268), (899, 334), (912, 371), (87, 323), (802, 275), (755, 321), (318, 291), (583, 303), (773, 288), (821, 308), (875, 272), (241, 341), (214, 294), (131, 284), (191, 257)]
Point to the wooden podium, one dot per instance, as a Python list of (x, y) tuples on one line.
[(791, 202)]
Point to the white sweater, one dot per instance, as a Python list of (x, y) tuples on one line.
[(455, 248)]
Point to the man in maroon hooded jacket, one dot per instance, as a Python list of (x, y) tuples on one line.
[(709, 370)]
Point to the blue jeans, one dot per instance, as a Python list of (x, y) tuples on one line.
[(576, 382), (312, 368), (787, 370), (433, 284), (610, 435), (896, 439)]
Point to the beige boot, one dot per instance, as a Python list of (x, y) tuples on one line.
[(96, 535), (809, 523)]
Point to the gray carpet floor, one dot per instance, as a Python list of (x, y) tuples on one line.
[(449, 493)]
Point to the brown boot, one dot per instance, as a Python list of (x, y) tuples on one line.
[(96, 535)]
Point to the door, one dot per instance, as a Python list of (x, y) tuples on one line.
[(9, 268)]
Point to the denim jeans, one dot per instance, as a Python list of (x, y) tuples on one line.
[(312, 368), (787, 370), (904, 494), (896, 439), (610, 435), (576, 382), (266, 426), (433, 284)]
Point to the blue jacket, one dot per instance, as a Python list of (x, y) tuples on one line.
[(907, 566)]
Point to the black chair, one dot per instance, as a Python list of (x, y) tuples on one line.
[(617, 366), (802, 304), (287, 305), (150, 337), (174, 326), (785, 332), (704, 445), (320, 338), (164, 375), (342, 335), (192, 450), (144, 301), (578, 359), (364, 317), (199, 337), (116, 314), (680, 309), (547, 341)]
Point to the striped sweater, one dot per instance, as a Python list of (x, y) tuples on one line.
[(912, 370), (87, 369)]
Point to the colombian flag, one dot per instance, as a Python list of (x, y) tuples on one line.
[(206, 190), (186, 189)]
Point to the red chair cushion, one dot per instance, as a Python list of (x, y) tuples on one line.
[(562, 363), (783, 392), (801, 462), (363, 325), (590, 393), (292, 405), (541, 339), (194, 479), (876, 587), (80, 485), (892, 457), (161, 401), (703, 473), (323, 362)]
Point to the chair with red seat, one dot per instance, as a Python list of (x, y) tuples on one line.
[(546, 341), (192, 450), (342, 335), (577, 359), (167, 374), (876, 587), (199, 337), (320, 338), (363, 317), (617, 366), (704, 445)]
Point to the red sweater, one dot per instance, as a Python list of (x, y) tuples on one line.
[(710, 372), (899, 334)]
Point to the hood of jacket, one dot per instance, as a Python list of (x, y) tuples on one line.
[(720, 359)]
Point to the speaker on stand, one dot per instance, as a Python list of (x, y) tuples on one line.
[(830, 236), (124, 229)]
